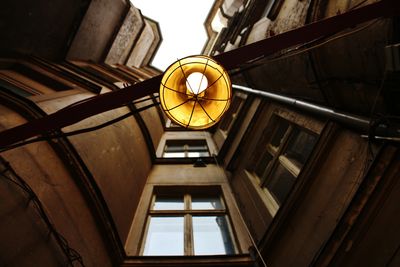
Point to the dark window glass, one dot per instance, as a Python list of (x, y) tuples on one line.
[(300, 146), (263, 163), (279, 133), (280, 183)]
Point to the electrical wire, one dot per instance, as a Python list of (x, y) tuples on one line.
[(71, 254), (48, 137)]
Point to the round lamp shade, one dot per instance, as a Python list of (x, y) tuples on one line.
[(195, 92)]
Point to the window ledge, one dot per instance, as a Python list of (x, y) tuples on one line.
[(212, 260)]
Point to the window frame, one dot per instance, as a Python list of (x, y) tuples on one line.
[(32, 81), (186, 145), (277, 157), (274, 10), (231, 116), (188, 213)]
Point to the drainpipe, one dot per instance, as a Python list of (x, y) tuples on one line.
[(368, 127)]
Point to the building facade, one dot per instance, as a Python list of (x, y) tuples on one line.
[(271, 185)]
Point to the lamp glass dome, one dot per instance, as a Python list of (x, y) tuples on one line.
[(195, 92)]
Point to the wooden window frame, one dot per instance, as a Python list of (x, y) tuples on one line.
[(231, 116), (186, 147), (187, 213), (37, 82), (277, 156)]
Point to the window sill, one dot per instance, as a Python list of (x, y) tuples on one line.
[(209, 260)]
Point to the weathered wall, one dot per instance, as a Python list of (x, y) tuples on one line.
[(117, 157), (157, 39), (25, 239), (100, 24), (43, 28), (374, 239), (153, 122), (334, 73), (333, 8), (341, 68), (142, 46), (127, 35)]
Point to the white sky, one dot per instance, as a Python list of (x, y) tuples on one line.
[(182, 29)]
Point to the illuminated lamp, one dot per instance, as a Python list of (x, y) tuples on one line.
[(195, 92)]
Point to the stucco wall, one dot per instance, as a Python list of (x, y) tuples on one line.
[(142, 46), (117, 157), (155, 43), (127, 35), (25, 238), (100, 24)]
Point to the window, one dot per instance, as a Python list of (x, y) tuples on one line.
[(284, 152), (272, 9), (29, 80), (186, 149), (231, 115), (182, 223)]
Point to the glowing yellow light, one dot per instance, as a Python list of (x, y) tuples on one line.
[(196, 83), (195, 92)]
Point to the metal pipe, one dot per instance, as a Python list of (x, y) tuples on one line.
[(356, 122)]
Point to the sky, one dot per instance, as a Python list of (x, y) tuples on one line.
[(182, 27)]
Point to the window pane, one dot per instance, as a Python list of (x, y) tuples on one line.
[(164, 236), (262, 164), (206, 203), (198, 154), (197, 148), (279, 133), (14, 89), (174, 148), (174, 154), (168, 203), (300, 146), (211, 236), (186, 148), (280, 183)]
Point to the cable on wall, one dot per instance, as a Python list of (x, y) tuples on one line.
[(10, 175)]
